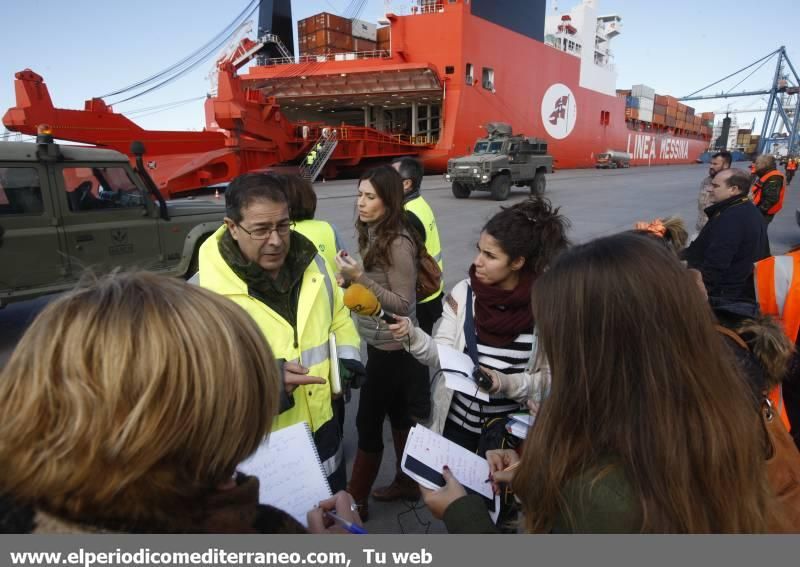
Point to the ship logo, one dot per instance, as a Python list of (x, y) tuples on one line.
[(559, 111)]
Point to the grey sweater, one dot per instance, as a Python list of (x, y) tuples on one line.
[(395, 287)]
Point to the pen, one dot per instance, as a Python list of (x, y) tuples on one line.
[(511, 468), (349, 526)]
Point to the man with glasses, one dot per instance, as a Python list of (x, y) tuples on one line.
[(277, 276)]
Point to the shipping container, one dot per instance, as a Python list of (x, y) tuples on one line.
[(632, 102), (671, 120), (632, 113), (335, 41), (646, 103), (643, 91), (672, 102), (661, 100), (385, 34), (384, 46), (646, 114), (689, 111), (659, 109), (672, 112), (660, 119), (324, 21), (365, 30), (360, 45)]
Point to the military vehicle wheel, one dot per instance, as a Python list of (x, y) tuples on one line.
[(500, 187), (539, 184), (460, 191)]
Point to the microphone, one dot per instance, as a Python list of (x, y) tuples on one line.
[(362, 301)]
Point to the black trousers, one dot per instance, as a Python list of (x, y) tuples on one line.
[(428, 313), (397, 386)]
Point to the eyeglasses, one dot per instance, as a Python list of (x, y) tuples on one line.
[(263, 233)]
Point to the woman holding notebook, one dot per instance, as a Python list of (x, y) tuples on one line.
[(488, 316), (649, 426)]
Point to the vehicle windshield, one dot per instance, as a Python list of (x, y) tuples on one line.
[(488, 147), (603, 156)]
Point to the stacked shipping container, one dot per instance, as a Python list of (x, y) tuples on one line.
[(327, 33), (643, 104)]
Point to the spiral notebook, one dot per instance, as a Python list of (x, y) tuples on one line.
[(290, 471)]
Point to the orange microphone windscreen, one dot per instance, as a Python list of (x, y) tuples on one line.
[(361, 301)]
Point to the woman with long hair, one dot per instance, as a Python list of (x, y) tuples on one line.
[(128, 405), (396, 385), (649, 425), (515, 247)]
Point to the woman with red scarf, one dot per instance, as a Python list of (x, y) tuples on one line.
[(493, 307)]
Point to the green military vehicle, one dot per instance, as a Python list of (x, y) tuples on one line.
[(66, 209), (499, 161)]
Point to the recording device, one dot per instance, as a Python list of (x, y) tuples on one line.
[(483, 380), (362, 301)]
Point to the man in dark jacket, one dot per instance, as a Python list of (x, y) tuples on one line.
[(734, 238), (769, 187)]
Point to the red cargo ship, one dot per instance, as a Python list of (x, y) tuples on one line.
[(437, 75)]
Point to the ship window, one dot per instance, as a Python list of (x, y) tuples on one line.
[(605, 117), (488, 79), (449, 70), (469, 76)]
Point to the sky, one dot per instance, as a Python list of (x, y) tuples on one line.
[(87, 48)]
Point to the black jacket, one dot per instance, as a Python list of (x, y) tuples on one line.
[(734, 238)]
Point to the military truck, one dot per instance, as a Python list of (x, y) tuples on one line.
[(499, 161), (66, 209)]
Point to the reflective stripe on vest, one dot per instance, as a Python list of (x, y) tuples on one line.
[(330, 465), (777, 280), (321, 235), (758, 186), (433, 244)]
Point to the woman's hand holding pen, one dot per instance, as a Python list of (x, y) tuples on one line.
[(502, 463), (336, 515)]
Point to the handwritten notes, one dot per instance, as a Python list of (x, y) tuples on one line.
[(289, 471), (434, 452)]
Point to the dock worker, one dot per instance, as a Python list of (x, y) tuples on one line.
[(791, 169), (421, 216), (278, 277), (768, 190)]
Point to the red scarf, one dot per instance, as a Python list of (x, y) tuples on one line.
[(502, 315)]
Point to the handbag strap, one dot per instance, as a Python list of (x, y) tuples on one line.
[(470, 335), (732, 335)]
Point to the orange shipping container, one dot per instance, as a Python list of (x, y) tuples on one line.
[(672, 102), (384, 33), (672, 111), (660, 119), (632, 113), (360, 44), (325, 21), (383, 46), (327, 38)]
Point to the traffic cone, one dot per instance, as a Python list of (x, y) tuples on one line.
[(216, 194)]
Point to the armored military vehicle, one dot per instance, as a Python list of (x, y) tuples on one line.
[(499, 161), (68, 209)]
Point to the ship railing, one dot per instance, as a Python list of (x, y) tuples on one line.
[(416, 10), (420, 140), (324, 58)]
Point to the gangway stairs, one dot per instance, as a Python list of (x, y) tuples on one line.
[(324, 147)]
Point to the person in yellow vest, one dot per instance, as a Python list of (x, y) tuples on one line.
[(277, 276), (777, 280), (302, 209), (768, 190), (791, 169), (421, 217), (311, 157)]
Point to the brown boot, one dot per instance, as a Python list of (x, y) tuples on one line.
[(402, 487), (365, 471)]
